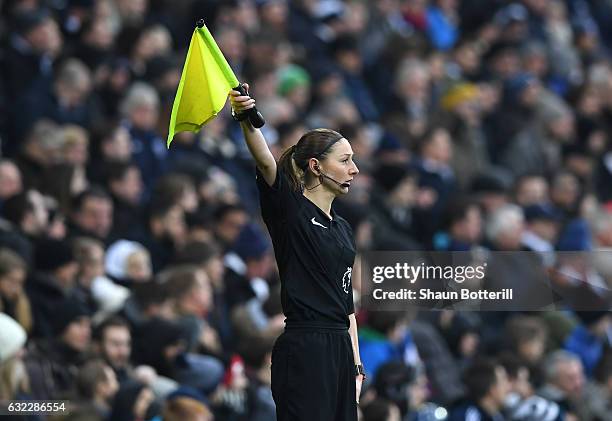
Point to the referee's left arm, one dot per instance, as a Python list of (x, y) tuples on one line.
[(355, 343)]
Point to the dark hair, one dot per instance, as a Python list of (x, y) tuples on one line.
[(16, 207), (313, 144), (428, 136), (254, 349), (180, 280), (93, 192), (171, 187), (377, 410), (158, 209), (457, 210), (603, 369), (197, 253), (116, 171), (150, 293), (521, 328), (222, 210), (10, 261), (90, 376), (512, 364), (285, 129), (385, 321), (113, 321), (480, 377), (392, 381)]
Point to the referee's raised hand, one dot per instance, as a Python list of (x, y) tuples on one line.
[(241, 103)]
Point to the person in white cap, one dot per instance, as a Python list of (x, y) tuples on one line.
[(12, 375)]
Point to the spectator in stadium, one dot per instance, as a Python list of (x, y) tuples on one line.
[(522, 403), (162, 344), (96, 386), (435, 173), (10, 180), (229, 220), (71, 87), (541, 230), (207, 256), (92, 215), (111, 145), (564, 382), (35, 42), (531, 189), (248, 266), (598, 394), (386, 337), (257, 355), (394, 212), (54, 361), (186, 404), (191, 291), (177, 189), (488, 388), (403, 385), (526, 338), (14, 382), (13, 300), (128, 262), (165, 235), (134, 401), (113, 343), (464, 119), (51, 283), (124, 183), (463, 222), (26, 220), (590, 339), (381, 410), (140, 108)]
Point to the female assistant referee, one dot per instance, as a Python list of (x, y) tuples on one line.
[(316, 369)]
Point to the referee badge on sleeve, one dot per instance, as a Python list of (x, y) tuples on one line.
[(346, 280)]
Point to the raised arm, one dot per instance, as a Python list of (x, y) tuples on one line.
[(254, 138)]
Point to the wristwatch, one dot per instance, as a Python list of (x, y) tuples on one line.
[(359, 370), (240, 116)]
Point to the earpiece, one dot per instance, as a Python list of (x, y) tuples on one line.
[(322, 174)]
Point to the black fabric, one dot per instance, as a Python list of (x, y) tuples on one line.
[(315, 255), (46, 296), (313, 376), (69, 311)]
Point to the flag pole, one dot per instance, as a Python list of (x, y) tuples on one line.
[(254, 115)]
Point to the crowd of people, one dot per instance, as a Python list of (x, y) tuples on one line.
[(137, 283)]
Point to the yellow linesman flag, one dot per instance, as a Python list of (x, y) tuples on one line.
[(205, 82)]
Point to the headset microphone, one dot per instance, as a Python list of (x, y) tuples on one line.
[(346, 185)]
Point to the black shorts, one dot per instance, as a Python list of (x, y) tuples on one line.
[(313, 375)]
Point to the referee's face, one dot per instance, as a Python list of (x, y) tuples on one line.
[(339, 165)]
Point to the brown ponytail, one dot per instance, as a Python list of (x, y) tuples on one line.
[(286, 165), (313, 144)]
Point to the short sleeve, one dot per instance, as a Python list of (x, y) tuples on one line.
[(275, 199), (350, 303)]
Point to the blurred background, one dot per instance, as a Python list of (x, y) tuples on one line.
[(137, 281)]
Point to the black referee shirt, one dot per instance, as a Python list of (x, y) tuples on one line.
[(315, 255)]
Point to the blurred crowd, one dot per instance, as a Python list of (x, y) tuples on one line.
[(137, 282)]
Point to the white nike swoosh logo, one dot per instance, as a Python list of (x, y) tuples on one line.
[(317, 223)]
